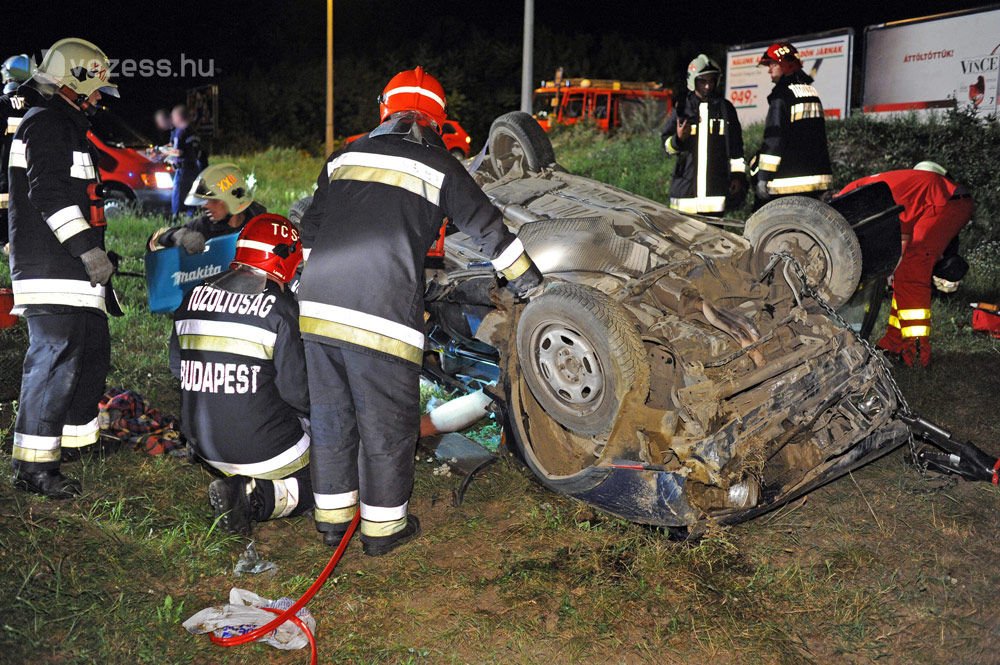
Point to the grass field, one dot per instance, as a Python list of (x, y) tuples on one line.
[(880, 566)]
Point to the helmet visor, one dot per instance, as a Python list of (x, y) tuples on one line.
[(200, 193)]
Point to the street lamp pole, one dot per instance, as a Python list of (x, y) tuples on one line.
[(329, 76), (527, 56)]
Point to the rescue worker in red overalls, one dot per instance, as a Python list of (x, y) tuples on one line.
[(237, 352), (378, 206), (59, 268), (935, 209)]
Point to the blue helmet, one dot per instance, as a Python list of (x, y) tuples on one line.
[(15, 70)]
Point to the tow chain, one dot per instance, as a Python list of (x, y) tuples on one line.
[(881, 364)]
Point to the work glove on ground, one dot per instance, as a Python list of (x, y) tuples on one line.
[(98, 266), (192, 241)]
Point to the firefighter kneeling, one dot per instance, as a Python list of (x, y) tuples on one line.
[(236, 349)]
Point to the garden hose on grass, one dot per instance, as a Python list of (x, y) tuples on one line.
[(289, 614)]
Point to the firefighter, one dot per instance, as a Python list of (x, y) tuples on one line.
[(226, 197), (59, 268), (705, 134), (13, 105), (237, 351), (378, 206), (935, 209), (793, 158), (185, 154)]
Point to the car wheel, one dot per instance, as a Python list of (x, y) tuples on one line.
[(116, 203), (518, 144), (817, 235), (298, 209)]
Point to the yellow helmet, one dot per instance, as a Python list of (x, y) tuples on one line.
[(78, 65)]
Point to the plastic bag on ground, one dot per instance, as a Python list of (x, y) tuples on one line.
[(242, 614)]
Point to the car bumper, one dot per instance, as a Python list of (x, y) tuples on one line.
[(153, 199)]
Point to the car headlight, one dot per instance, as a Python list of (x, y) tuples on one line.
[(164, 180), (468, 139)]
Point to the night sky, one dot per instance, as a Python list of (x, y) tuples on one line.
[(239, 35)]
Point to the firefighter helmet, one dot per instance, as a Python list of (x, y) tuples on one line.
[(16, 70), (933, 167), (702, 66), (269, 244), (413, 90), (78, 65), (221, 182), (784, 54)]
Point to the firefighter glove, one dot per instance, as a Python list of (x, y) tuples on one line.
[(98, 266), (192, 241), (528, 285)]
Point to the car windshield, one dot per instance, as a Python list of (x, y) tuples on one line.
[(112, 130), (543, 104)]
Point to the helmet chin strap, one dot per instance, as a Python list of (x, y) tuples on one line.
[(78, 101)]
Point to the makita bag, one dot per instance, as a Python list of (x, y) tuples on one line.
[(172, 272)]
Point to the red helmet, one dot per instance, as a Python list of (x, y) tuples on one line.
[(413, 90), (784, 54), (269, 243)]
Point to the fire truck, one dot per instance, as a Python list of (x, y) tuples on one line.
[(605, 101)]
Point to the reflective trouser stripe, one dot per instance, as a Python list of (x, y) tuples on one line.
[(335, 508), (914, 314), (912, 322), (806, 183), (915, 331), (78, 436), (279, 466), (367, 330), (893, 322), (286, 497), (379, 521), (697, 205), (32, 448)]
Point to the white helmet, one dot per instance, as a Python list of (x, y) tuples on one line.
[(78, 65), (702, 66), (933, 167)]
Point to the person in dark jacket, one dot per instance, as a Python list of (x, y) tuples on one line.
[(227, 199), (237, 352), (59, 269), (14, 103), (186, 156), (794, 158), (705, 135), (378, 207)]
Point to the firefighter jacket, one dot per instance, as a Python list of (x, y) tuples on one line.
[(204, 225), (13, 106), (55, 212), (241, 365), (709, 158), (378, 208), (793, 157)]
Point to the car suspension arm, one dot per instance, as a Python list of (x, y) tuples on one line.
[(959, 457)]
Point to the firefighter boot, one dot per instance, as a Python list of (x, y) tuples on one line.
[(234, 504), (379, 545), (50, 483), (332, 533)]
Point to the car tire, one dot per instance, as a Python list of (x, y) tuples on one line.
[(580, 354), (298, 209), (816, 234), (517, 142), (117, 203)]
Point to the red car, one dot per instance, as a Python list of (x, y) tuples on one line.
[(130, 177), (456, 139)]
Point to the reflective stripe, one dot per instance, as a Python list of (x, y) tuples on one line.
[(334, 516), (72, 292), (382, 521), (335, 508), (695, 205), (35, 442), (806, 110), (893, 322), (12, 125), (701, 177), (913, 314), (255, 244), (737, 164), (286, 497), (509, 255), (4, 200), (306, 252), (279, 466), (22, 454), (668, 145), (894, 302), (769, 162), (226, 337), (18, 158), (424, 92), (67, 222), (521, 266), (382, 529), (363, 329), (409, 174), (915, 331), (805, 183), (83, 166), (803, 90), (78, 436)]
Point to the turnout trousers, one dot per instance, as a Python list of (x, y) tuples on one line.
[(365, 414), (65, 370), (909, 329)]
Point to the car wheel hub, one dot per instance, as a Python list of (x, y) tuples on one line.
[(570, 367)]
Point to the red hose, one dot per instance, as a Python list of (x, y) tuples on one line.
[(289, 614)]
